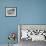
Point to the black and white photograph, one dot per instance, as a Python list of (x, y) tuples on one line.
[(10, 11)]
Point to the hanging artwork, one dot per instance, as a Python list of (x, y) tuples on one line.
[(11, 11), (32, 32)]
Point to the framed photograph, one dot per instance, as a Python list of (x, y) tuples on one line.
[(10, 11), (33, 32)]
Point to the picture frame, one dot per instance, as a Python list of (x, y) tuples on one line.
[(10, 11), (40, 29)]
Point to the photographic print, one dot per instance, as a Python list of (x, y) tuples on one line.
[(10, 11), (32, 32)]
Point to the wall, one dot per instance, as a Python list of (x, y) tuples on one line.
[(33, 12), (28, 12)]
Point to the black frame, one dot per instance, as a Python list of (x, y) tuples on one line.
[(10, 7)]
